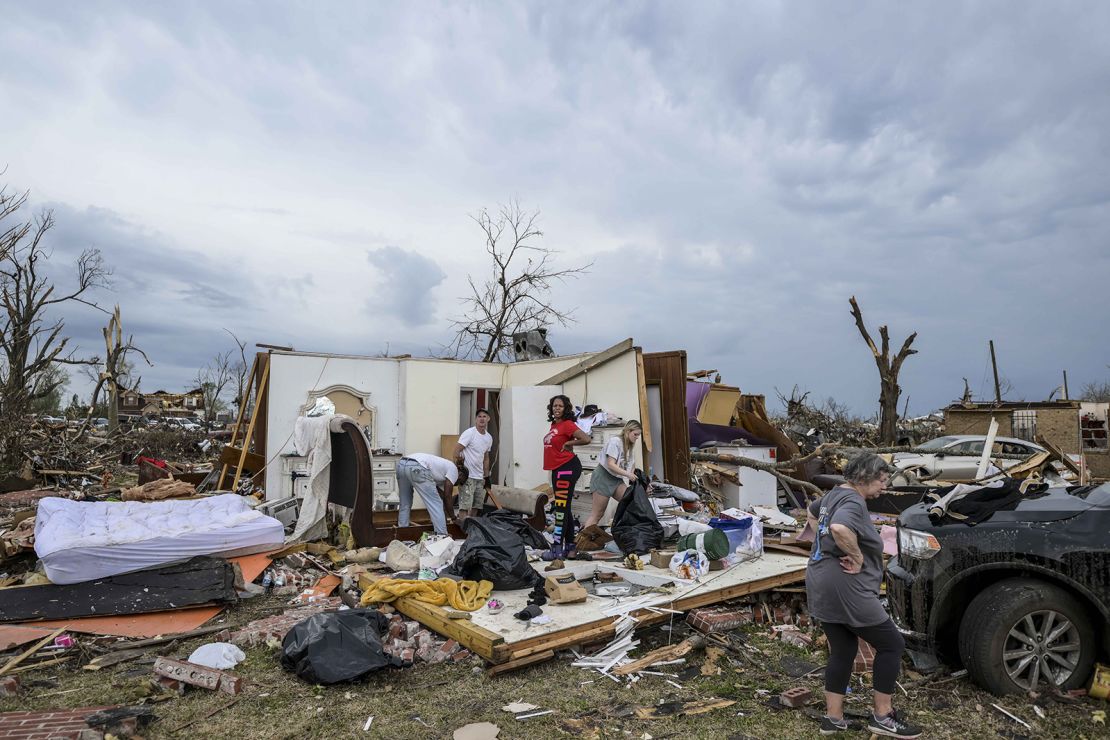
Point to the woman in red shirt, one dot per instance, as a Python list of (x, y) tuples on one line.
[(565, 469)]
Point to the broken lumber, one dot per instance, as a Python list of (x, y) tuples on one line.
[(667, 652), (11, 664)]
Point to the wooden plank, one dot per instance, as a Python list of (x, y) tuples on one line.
[(589, 363), (641, 392), (200, 580), (233, 457), (512, 665), (250, 431), (238, 421), (477, 639), (11, 664)]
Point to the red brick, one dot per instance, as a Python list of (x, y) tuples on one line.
[(865, 658), (719, 619), (796, 697)]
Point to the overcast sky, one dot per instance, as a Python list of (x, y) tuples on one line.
[(303, 174)]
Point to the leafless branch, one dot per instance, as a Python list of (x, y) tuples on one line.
[(514, 297)]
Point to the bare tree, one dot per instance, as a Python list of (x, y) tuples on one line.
[(239, 369), (115, 372), (515, 297), (31, 332), (889, 367), (1097, 391), (212, 379)]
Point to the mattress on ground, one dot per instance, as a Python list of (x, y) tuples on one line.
[(78, 541)]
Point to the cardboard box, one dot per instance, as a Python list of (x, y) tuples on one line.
[(564, 589), (662, 558)]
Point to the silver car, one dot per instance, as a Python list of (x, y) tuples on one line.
[(956, 457)]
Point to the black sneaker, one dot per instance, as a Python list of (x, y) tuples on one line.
[(830, 726), (893, 726)]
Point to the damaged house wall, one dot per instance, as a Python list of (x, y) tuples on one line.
[(294, 374), (414, 401)]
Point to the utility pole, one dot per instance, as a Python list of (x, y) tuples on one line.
[(1066, 396), (994, 366)]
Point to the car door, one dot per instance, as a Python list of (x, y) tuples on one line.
[(960, 461)]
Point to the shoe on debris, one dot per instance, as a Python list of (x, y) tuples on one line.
[(830, 726), (893, 726)]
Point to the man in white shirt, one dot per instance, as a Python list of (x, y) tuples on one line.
[(433, 478), (473, 451)]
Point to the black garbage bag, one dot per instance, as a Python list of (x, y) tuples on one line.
[(337, 646), (635, 526), (494, 550)]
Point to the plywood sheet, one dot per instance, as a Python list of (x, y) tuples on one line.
[(589, 621)]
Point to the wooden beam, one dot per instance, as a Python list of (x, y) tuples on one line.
[(512, 665), (478, 639), (645, 411), (589, 363)]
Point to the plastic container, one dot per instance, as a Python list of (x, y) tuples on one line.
[(745, 536)]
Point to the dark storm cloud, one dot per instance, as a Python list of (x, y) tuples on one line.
[(737, 171)]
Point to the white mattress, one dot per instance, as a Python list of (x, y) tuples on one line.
[(79, 541)]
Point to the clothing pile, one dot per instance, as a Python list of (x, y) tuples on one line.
[(972, 504)]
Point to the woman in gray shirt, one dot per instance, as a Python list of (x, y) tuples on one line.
[(842, 587)]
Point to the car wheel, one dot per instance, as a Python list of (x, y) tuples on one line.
[(1021, 632)]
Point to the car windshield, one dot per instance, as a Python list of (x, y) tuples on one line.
[(936, 444)]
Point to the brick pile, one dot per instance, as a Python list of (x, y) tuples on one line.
[(725, 618), (277, 626), (61, 724), (411, 642)]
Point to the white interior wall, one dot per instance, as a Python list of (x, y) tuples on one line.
[(417, 400), (294, 375), (613, 386)]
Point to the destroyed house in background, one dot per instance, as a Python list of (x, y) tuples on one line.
[(161, 403), (1075, 428)]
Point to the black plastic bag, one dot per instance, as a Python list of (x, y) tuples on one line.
[(494, 550), (635, 526), (337, 646)]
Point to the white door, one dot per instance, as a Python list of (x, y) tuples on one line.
[(523, 426)]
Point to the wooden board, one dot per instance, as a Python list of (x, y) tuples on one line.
[(200, 580), (478, 639)]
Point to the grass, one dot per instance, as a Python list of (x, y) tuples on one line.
[(432, 701)]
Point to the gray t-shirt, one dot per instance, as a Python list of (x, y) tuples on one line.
[(833, 595)]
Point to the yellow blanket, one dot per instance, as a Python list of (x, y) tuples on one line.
[(465, 595)]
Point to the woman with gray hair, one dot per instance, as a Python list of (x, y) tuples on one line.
[(842, 587)]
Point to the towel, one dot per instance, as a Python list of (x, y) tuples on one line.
[(464, 595)]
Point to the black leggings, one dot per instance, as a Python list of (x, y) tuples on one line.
[(844, 644), (563, 480)]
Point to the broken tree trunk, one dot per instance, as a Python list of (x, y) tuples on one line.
[(889, 367)]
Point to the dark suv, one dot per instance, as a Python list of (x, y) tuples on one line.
[(1019, 599)]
